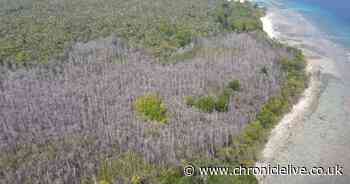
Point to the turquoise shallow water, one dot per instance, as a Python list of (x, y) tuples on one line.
[(323, 137), (332, 17)]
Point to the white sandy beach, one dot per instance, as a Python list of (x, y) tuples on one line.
[(315, 132), (288, 125), (268, 26)]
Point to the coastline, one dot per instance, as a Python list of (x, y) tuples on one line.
[(291, 121), (268, 26)]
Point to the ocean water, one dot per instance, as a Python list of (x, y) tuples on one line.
[(322, 137), (331, 16)]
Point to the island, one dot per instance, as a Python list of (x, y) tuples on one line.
[(117, 91)]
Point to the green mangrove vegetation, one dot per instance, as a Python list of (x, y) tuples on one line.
[(219, 103), (41, 30), (85, 126), (150, 107)]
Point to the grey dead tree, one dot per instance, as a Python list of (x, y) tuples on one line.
[(86, 111)]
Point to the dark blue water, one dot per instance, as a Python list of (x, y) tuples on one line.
[(331, 16)]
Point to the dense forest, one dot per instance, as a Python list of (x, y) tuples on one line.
[(161, 27), (116, 91)]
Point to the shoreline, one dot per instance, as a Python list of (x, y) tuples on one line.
[(268, 26), (287, 126)]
